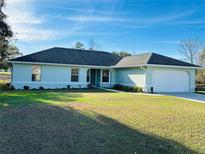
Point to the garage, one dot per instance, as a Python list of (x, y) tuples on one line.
[(170, 81)]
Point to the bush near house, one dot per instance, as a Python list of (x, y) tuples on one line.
[(128, 88), (4, 85)]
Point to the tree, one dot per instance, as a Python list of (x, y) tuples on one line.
[(79, 45), (7, 49), (190, 48), (5, 30), (11, 52), (201, 60), (122, 53), (200, 73), (92, 45)]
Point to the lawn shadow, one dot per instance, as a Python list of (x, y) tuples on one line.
[(44, 128), (27, 97)]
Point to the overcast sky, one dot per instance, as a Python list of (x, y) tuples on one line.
[(136, 26)]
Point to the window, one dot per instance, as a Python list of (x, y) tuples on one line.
[(88, 75), (36, 73), (105, 75), (74, 74)]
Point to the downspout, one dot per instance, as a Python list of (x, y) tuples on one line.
[(11, 74)]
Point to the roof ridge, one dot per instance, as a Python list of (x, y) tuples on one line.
[(138, 54), (86, 50), (148, 59)]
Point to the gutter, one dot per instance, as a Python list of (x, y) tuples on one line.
[(106, 67), (55, 64), (173, 66)]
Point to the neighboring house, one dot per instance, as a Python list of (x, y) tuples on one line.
[(60, 67)]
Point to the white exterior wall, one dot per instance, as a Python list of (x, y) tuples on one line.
[(190, 72), (51, 77), (21, 73), (131, 77), (60, 76)]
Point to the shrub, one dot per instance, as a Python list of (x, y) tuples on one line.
[(137, 89), (12, 87), (68, 86), (26, 87), (4, 86), (41, 88), (90, 86), (118, 86), (128, 88)]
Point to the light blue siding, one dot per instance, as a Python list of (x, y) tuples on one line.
[(51, 77), (54, 76), (130, 76)]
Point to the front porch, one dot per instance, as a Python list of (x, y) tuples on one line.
[(99, 77)]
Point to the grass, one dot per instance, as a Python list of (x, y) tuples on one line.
[(95, 121)]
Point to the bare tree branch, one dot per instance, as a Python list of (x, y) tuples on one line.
[(92, 44), (190, 48)]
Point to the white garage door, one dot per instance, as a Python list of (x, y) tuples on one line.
[(170, 81)]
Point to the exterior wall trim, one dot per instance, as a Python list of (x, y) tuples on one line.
[(94, 66), (172, 66), (55, 64)]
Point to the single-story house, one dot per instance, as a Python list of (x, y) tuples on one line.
[(62, 67)]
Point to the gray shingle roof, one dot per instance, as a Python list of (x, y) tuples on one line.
[(158, 59), (98, 58), (71, 56), (132, 61), (150, 58)]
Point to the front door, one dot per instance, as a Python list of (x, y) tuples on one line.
[(92, 79), (95, 77)]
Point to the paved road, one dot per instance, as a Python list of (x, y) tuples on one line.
[(188, 96)]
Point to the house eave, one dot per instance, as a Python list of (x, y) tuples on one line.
[(56, 64), (155, 65), (128, 66), (95, 66), (173, 66)]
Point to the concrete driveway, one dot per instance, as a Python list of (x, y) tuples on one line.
[(188, 96)]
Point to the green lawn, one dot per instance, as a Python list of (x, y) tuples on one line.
[(95, 121)]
